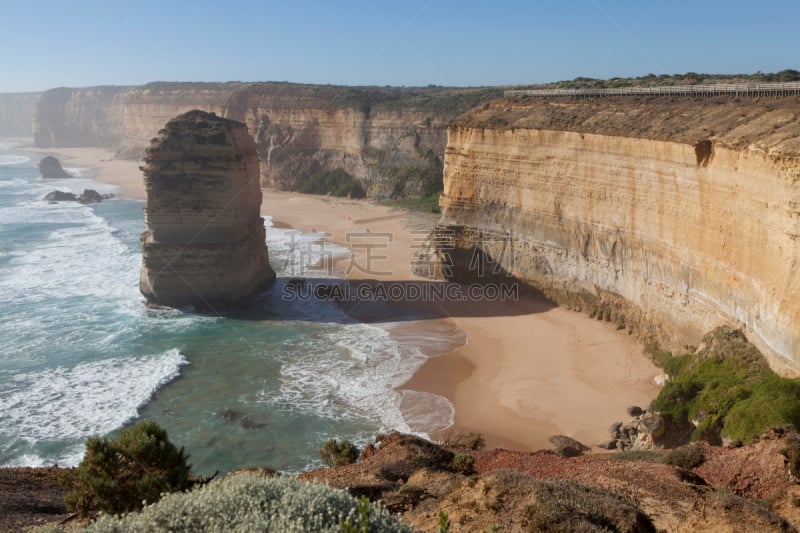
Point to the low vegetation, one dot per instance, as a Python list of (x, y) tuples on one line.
[(426, 204), (338, 452), (569, 506), (686, 457), (726, 389), (119, 475), (464, 463), (688, 78), (637, 455), (250, 502), (334, 182)]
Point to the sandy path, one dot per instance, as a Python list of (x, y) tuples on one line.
[(529, 370)]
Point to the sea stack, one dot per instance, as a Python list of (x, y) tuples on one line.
[(50, 168), (205, 246)]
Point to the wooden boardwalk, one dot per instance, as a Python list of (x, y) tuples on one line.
[(774, 90)]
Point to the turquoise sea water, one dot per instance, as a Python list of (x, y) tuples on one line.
[(81, 355)]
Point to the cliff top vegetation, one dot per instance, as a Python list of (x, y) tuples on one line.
[(661, 80), (433, 98), (767, 123)]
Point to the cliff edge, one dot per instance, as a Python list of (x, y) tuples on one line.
[(206, 243), (667, 217)]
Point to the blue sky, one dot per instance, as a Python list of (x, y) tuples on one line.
[(50, 43)]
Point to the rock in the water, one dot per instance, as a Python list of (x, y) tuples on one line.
[(50, 167), (90, 196), (567, 446), (206, 244), (60, 196)]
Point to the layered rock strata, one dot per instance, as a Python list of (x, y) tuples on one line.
[(92, 116), (668, 239), (389, 139), (205, 246), (16, 114)]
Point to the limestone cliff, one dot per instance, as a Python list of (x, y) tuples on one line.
[(390, 139), (666, 217), (90, 116), (16, 114), (206, 243), (146, 109)]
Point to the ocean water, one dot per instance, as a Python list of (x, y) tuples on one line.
[(81, 355)]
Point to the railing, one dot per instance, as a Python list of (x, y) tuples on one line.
[(739, 89)]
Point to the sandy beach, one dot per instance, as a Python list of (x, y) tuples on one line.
[(529, 369), (102, 166)]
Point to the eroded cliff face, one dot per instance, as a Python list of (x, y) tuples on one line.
[(390, 139), (16, 114), (146, 109), (92, 116), (206, 245), (668, 239)]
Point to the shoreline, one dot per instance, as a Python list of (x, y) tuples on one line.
[(528, 369)]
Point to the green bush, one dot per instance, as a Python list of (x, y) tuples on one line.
[(686, 457), (571, 507), (636, 455), (774, 401), (464, 463), (338, 453), (118, 475), (728, 390), (250, 502), (335, 182)]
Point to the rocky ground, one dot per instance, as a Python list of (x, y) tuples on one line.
[(31, 496), (744, 488), (735, 489)]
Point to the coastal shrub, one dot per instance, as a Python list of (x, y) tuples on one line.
[(686, 457), (464, 439), (464, 463), (774, 401), (726, 389), (426, 204), (636, 455), (118, 475), (338, 453), (362, 522), (568, 506), (335, 182), (250, 502), (444, 522)]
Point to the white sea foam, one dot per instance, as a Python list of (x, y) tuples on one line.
[(304, 254), (78, 260), (12, 160), (346, 369), (86, 399), (77, 172), (426, 412), (76, 285), (351, 369)]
